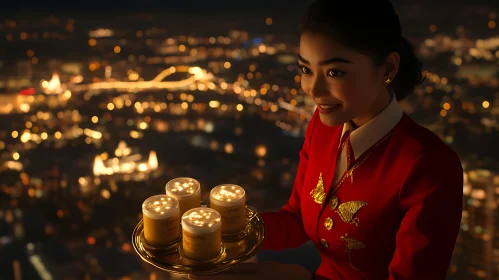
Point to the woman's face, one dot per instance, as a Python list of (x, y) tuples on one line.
[(344, 83)]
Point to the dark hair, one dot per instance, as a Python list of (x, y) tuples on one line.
[(371, 27)]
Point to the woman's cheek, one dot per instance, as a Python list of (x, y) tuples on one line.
[(305, 85), (340, 89)]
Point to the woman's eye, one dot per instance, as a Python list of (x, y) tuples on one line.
[(304, 70), (335, 73)]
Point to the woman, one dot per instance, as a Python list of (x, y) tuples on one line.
[(379, 195)]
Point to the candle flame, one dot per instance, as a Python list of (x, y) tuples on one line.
[(54, 85), (99, 168), (153, 161)]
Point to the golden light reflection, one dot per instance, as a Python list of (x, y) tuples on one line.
[(143, 125), (229, 148), (261, 151), (214, 104)]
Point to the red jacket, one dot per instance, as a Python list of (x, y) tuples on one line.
[(398, 220)]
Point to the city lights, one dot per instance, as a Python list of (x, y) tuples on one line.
[(98, 116)]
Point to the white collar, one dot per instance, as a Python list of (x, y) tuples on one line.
[(368, 134)]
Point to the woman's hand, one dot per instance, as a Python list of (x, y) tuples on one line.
[(261, 271)]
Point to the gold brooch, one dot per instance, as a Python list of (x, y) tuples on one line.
[(347, 211), (318, 193), (352, 244)]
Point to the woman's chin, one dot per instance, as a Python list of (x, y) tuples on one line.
[(329, 120)]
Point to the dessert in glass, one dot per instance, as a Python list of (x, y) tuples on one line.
[(187, 191), (161, 217), (201, 234), (230, 201)]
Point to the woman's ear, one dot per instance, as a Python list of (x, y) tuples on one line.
[(391, 66)]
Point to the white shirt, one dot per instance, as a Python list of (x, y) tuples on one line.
[(367, 135)]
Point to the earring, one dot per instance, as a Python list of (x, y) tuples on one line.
[(388, 81)]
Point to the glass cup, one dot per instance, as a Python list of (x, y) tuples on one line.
[(201, 233), (161, 216), (187, 191), (230, 201)]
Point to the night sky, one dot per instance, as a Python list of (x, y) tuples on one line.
[(202, 6)]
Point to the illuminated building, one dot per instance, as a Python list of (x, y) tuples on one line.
[(476, 254)]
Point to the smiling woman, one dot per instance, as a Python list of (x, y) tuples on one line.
[(352, 72), (400, 217)]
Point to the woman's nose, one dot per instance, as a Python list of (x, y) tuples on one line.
[(319, 88)]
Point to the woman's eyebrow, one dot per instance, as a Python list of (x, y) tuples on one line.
[(327, 61)]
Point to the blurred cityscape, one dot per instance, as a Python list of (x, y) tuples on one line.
[(96, 116)]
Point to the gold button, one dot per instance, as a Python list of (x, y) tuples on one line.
[(324, 243), (334, 202), (328, 223)]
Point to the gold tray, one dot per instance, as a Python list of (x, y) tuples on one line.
[(236, 249)]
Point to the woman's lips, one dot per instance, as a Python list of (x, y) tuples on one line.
[(328, 108)]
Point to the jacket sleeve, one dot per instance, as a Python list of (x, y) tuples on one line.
[(431, 199), (284, 228)]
